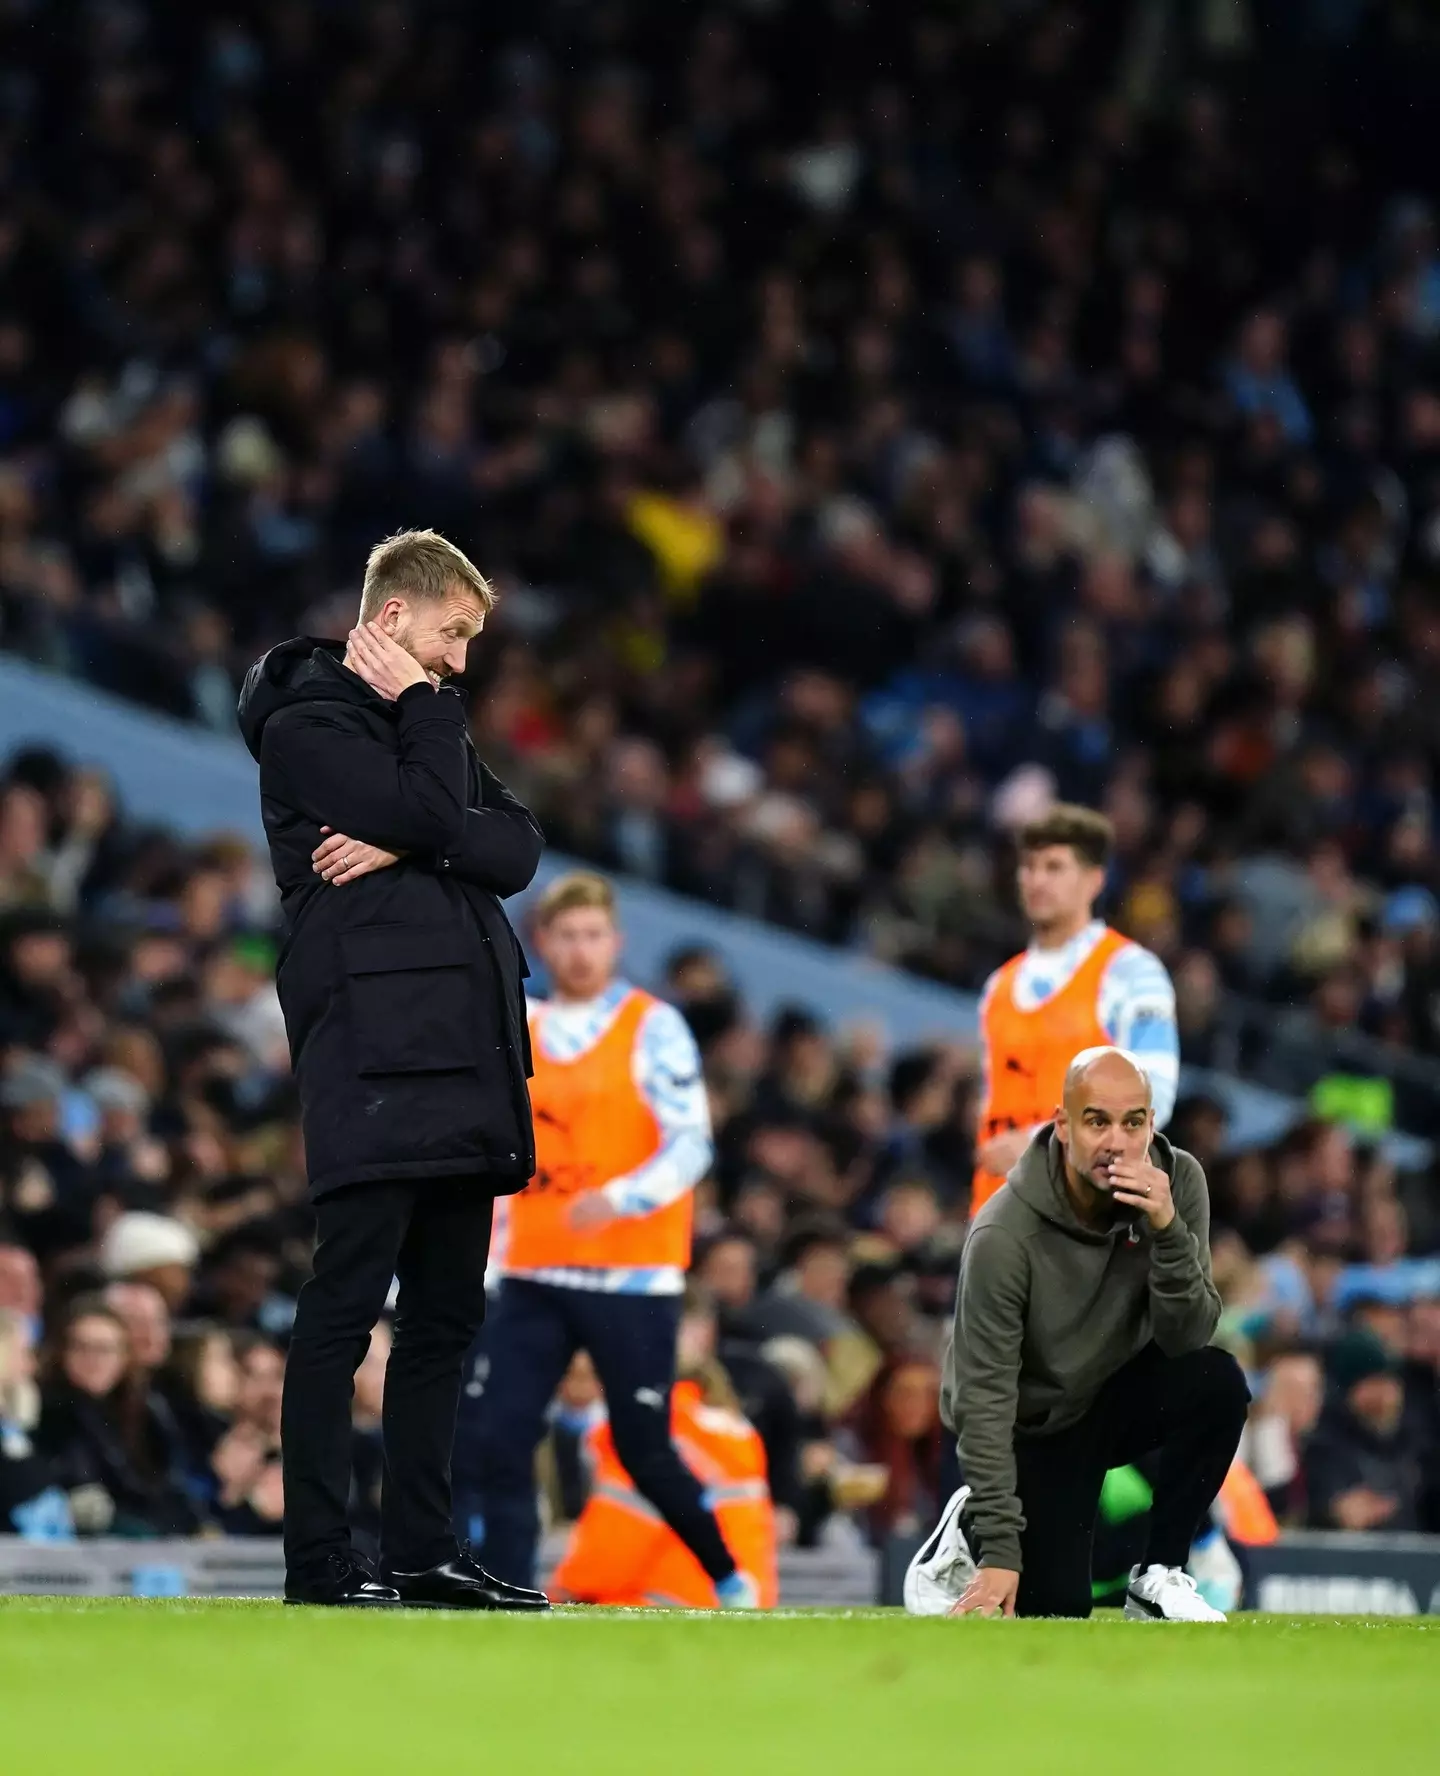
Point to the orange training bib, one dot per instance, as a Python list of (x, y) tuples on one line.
[(591, 1126), (1027, 1052)]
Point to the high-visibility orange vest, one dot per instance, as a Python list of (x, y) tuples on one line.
[(1245, 1510), (622, 1553), (592, 1125), (1027, 1052)]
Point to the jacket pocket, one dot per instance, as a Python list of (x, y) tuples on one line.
[(412, 999)]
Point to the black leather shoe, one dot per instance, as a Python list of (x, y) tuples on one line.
[(463, 1583), (342, 1583)]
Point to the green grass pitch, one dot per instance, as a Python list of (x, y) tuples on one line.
[(211, 1689)]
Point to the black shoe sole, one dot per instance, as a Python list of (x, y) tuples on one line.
[(476, 1609), (453, 1609), (363, 1603)]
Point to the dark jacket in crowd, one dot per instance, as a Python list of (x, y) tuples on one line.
[(25, 1474), (131, 1447), (1347, 1453), (402, 990), (766, 1400)]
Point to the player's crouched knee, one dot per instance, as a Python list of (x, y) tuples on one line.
[(1220, 1382)]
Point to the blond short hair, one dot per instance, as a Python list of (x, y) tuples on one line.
[(421, 567), (582, 888)]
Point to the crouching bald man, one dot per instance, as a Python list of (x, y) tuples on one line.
[(1081, 1343)]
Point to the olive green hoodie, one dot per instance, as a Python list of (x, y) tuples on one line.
[(1048, 1309)]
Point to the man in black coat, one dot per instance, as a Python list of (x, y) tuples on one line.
[(400, 981)]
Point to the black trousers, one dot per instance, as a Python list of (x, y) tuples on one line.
[(1190, 1409), (433, 1234), (533, 1333)]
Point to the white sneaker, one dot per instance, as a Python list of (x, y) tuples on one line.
[(1166, 1594), (943, 1565)]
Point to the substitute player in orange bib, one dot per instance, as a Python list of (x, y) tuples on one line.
[(1079, 985), (592, 1254)]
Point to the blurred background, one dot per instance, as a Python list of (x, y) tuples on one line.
[(880, 421)]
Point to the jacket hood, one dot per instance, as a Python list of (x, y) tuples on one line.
[(1038, 1179), (301, 671)]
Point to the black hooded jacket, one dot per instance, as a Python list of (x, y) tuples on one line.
[(401, 990)]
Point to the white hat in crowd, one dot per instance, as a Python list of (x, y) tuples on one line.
[(137, 1242)]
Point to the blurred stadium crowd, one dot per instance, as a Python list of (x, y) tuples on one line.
[(153, 1228), (879, 420)]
